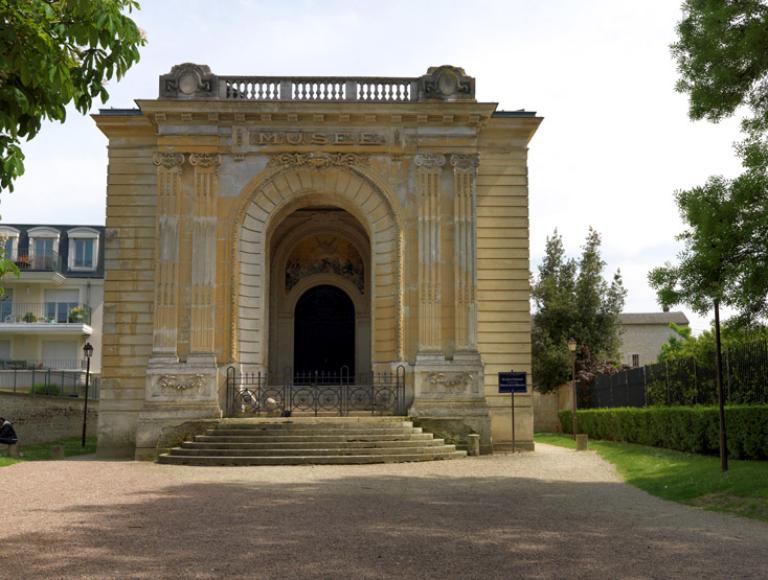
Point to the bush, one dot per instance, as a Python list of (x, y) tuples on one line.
[(45, 389), (690, 429)]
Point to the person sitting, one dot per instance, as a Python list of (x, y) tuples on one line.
[(7, 434)]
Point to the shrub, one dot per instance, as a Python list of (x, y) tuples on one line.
[(691, 429), (29, 317), (45, 389)]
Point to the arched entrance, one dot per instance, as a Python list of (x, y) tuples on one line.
[(324, 332)]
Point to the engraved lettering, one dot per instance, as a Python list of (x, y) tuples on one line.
[(319, 139), (294, 138)]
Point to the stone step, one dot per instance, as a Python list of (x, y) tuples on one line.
[(303, 438), (306, 460), (314, 444), (354, 451), (298, 425), (309, 432)]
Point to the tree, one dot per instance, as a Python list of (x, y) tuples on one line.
[(573, 300), (722, 58), (56, 52)]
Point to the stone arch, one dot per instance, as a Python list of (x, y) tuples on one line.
[(278, 192)]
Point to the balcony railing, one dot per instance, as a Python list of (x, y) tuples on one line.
[(44, 312), (48, 262)]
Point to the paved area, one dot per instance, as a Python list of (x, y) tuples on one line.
[(549, 514)]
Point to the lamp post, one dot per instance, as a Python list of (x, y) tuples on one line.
[(572, 349), (87, 351)]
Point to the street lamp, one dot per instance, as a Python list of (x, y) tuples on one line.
[(88, 352), (572, 349)]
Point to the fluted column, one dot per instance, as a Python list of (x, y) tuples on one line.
[(465, 250), (203, 267), (429, 170), (165, 336)]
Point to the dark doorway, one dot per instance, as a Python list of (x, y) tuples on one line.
[(324, 332)]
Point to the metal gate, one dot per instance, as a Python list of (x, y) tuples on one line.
[(315, 393)]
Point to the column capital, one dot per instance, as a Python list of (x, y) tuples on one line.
[(204, 159), (168, 160), (430, 160), (465, 161)]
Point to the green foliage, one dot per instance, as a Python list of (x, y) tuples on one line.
[(56, 52), (42, 451), (722, 58), (45, 389), (573, 300), (683, 345), (684, 477), (690, 429)]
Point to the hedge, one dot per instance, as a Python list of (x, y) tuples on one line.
[(691, 429)]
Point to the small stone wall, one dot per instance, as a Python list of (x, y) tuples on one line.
[(40, 418)]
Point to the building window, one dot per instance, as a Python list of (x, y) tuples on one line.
[(83, 253), (9, 237), (635, 360), (43, 248), (83, 249)]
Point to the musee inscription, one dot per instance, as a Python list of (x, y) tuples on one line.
[(302, 138)]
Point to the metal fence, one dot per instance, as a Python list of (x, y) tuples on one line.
[(315, 393), (49, 382), (685, 381)]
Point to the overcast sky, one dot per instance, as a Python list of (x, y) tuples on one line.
[(614, 146)]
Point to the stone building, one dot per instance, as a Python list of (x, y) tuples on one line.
[(271, 224), (54, 306), (643, 333)]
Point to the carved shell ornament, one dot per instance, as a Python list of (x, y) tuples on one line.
[(181, 382)]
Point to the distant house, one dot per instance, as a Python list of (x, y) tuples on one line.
[(643, 333), (54, 307)]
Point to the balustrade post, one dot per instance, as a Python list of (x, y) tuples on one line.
[(286, 91)]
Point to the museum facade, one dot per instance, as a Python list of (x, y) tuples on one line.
[(278, 226)]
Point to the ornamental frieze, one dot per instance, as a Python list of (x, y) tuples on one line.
[(317, 160)]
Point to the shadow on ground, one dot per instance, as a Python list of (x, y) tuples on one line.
[(390, 526)]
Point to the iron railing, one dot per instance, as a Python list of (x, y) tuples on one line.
[(12, 312), (64, 383), (315, 393), (687, 381), (47, 262)]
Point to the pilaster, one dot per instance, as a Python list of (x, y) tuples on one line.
[(169, 199), (203, 223), (465, 251), (429, 169)]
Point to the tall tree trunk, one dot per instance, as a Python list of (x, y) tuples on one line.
[(720, 394)]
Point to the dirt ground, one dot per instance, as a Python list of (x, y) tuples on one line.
[(549, 514)]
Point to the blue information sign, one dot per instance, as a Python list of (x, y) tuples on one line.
[(512, 382)]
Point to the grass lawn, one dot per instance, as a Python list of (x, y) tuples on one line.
[(685, 477), (42, 451)]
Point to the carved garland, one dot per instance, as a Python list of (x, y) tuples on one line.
[(181, 382), (451, 382), (317, 160)]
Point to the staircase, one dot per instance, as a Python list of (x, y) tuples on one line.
[(316, 440)]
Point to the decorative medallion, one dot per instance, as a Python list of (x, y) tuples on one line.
[(181, 382), (447, 83), (317, 160), (188, 80)]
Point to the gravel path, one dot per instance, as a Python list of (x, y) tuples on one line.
[(549, 514)]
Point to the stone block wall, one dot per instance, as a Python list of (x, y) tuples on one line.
[(40, 419)]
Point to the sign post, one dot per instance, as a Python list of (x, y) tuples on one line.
[(512, 382)]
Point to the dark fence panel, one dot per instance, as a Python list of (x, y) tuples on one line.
[(684, 381)]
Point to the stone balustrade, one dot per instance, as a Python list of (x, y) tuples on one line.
[(192, 81)]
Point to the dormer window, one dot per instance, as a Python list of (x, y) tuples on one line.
[(43, 248), (83, 249), (9, 238)]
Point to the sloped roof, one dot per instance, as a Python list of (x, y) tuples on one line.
[(627, 318)]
